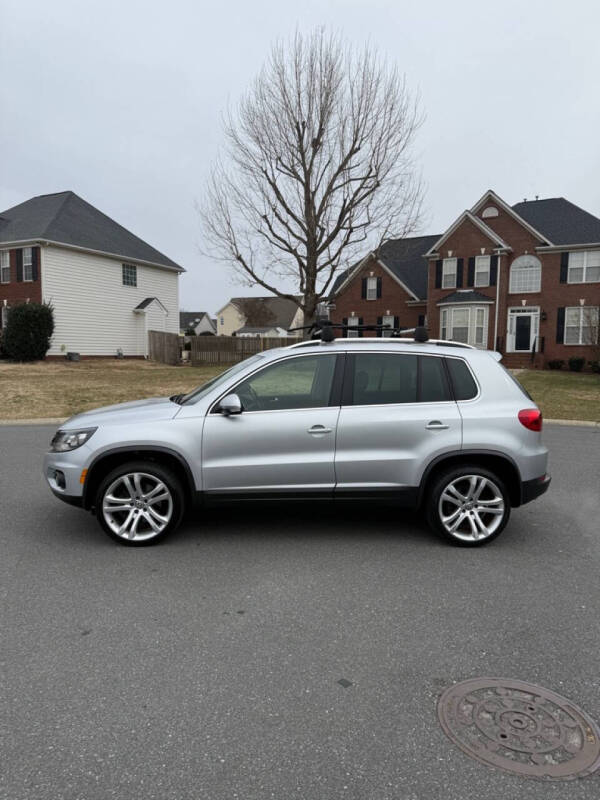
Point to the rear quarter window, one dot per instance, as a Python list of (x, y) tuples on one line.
[(463, 383)]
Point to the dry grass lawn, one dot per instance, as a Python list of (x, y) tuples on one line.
[(61, 388), (563, 395)]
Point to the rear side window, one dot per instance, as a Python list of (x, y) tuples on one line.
[(463, 383), (386, 378)]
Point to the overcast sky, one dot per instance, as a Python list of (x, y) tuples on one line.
[(121, 102)]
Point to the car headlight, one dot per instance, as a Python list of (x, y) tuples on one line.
[(70, 440)]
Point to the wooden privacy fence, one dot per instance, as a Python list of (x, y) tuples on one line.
[(164, 347), (231, 349)]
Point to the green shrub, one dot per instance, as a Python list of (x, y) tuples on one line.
[(28, 331), (576, 364), (594, 366), (556, 363)]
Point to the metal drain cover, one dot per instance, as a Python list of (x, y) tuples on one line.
[(521, 728)]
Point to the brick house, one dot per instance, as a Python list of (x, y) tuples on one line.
[(388, 288), (522, 279)]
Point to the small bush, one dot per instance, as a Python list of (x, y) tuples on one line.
[(576, 364), (28, 331), (594, 366), (556, 363)]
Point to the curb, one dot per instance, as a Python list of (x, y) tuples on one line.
[(585, 423)]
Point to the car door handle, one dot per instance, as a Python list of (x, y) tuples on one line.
[(318, 429), (436, 425)]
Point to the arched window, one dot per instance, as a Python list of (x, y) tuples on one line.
[(525, 275)]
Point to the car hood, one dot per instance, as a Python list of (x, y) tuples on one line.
[(153, 408)]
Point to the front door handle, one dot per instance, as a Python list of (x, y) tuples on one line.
[(436, 425), (317, 430)]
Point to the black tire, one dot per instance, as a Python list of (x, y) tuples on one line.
[(488, 511), (145, 511)]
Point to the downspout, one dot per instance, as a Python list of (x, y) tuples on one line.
[(497, 302)]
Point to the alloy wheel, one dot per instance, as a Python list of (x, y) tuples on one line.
[(137, 506), (471, 508)]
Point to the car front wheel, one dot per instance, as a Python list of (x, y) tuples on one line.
[(139, 503), (468, 505)]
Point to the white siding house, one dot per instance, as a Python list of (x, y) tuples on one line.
[(95, 313)]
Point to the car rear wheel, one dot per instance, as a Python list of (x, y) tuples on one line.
[(468, 506), (139, 503)]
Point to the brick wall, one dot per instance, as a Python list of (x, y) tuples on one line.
[(393, 300), (21, 291)]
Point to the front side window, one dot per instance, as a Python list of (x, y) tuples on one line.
[(27, 264), (129, 275), (302, 382), (525, 275), (584, 267), (390, 378), (482, 270), (371, 288), (467, 324), (4, 266), (581, 325), (449, 273)]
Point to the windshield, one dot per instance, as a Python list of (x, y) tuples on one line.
[(201, 391)]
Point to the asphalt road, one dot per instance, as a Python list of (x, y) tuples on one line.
[(208, 667)]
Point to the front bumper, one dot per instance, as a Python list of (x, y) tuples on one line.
[(534, 488), (62, 472)]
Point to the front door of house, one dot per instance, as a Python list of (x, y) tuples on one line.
[(523, 328)]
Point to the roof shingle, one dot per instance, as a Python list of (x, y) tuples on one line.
[(561, 221)]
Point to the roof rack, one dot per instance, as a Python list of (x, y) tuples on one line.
[(387, 339), (322, 331)]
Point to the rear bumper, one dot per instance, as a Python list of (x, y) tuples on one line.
[(534, 488)]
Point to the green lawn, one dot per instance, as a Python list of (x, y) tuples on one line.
[(563, 395)]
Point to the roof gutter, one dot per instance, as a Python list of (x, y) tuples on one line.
[(558, 248), (79, 248)]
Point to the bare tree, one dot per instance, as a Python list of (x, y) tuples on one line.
[(317, 169)]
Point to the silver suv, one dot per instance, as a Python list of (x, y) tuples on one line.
[(433, 425)]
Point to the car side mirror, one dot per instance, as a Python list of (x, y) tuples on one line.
[(231, 404)]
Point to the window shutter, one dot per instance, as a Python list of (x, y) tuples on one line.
[(438, 274), (379, 282), (493, 270), (421, 320), (364, 289), (379, 322), (471, 272), (35, 257), (345, 321), (459, 272), (560, 325), (564, 267), (19, 265), (396, 322), (360, 322)]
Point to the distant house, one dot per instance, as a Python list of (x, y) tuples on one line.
[(108, 288), (258, 316), (199, 321)]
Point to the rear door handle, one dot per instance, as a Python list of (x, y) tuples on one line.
[(319, 429), (436, 425)]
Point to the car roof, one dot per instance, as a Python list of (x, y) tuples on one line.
[(431, 347)]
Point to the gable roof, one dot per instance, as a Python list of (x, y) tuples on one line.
[(65, 218), (561, 221), (271, 311), (404, 259), (147, 301), (497, 200), (189, 319), (479, 223)]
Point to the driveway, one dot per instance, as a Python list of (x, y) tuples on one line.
[(209, 666)]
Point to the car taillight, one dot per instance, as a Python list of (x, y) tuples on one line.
[(531, 418)]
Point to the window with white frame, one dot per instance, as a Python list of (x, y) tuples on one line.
[(581, 325), (4, 266), (584, 267), (129, 275), (371, 288), (468, 324), (449, 273), (27, 264), (351, 322), (482, 270), (387, 320), (525, 275)]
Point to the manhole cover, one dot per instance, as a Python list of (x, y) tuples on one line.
[(520, 728)]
